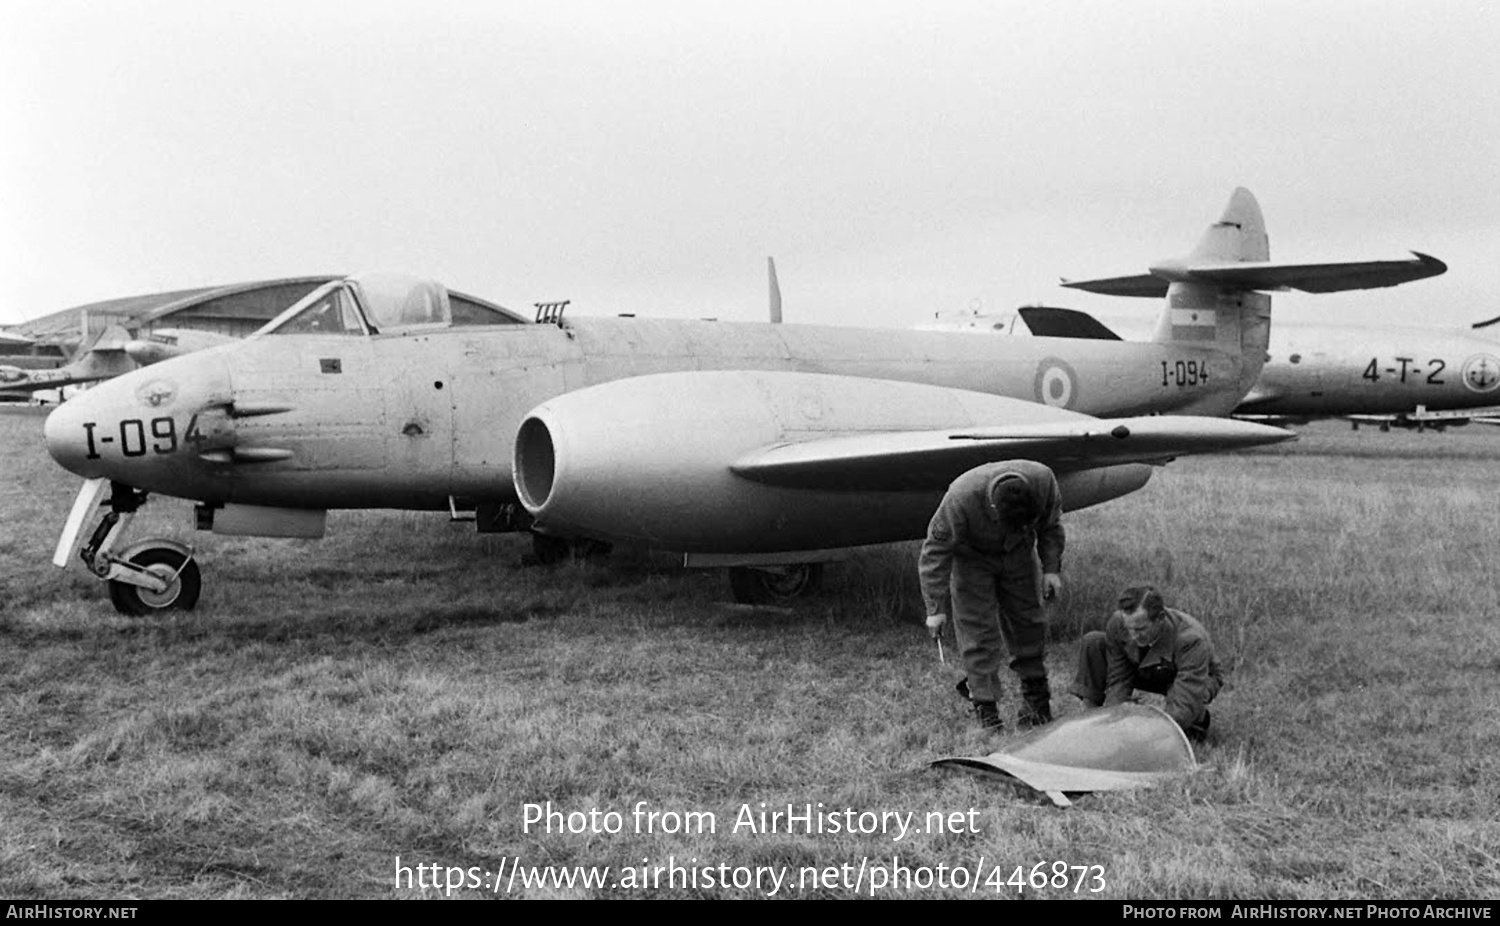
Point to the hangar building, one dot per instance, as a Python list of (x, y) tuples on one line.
[(235, 310)]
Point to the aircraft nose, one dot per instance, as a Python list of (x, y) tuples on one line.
[(137, 428), (69, 432)]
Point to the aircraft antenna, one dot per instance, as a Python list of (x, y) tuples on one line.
[(775, 291), (551, 313)]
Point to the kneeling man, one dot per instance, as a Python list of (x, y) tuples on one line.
[(1149, 646)]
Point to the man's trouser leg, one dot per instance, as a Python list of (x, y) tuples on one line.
[(976, 624), (1023, 625), (1093, 668)]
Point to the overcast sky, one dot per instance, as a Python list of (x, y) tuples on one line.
[(897, 159)]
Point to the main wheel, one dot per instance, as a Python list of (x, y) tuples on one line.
[(780, 585), (180, 595), (550, 550)]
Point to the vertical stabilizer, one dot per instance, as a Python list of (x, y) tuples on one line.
[(1234, 319), (1216, 294), (1240, 233)]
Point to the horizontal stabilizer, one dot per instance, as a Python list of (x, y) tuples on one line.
[(1308, 278), (896, 461)]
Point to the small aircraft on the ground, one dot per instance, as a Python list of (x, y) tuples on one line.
[(101, 358), (109, 355), (767, 448)]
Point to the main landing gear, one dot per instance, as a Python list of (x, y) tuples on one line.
[(779, 584), (775, 585), (144, 578), (548, 550)]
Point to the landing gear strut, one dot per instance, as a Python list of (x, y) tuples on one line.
[(148, 577)]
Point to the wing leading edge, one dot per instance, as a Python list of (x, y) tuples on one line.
[(926, 459)]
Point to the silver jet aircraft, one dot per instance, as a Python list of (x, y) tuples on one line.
[(763, 447), (1397, 375), (104, 357)]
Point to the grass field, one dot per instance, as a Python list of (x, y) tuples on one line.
[(397, 694)]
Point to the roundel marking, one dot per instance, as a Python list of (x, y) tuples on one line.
[(1056, 384), (1482, 373), (157, 392)]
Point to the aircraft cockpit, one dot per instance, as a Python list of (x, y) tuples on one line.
[(366, 304)]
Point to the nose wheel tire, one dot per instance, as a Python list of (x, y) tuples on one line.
[(180, 595), (780, 586)]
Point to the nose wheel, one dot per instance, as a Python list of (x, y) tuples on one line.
[(179, 572), (148, 577)]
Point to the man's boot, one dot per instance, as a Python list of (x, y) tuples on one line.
[(1037, 708), (988, 715), (1198, 732)]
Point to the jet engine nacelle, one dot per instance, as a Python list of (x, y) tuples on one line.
[(651, 460)]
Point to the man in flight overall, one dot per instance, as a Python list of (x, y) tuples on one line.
[(993, 552)]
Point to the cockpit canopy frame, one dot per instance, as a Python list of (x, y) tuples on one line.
[(366, 304)]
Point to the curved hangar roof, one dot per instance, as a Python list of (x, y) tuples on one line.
[(236, 309)]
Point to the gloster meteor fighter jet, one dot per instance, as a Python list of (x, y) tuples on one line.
[(763, 447)]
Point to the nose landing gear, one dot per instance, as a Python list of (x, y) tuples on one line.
[(148, 577)]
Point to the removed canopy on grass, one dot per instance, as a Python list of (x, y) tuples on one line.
[(1108, 749)]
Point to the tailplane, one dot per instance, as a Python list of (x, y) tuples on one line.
[(1216, 296)]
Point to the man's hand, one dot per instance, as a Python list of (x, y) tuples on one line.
[(935, 623), (1051, 585)]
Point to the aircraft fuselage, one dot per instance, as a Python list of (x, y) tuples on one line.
[(1326, 370), (407, 420)]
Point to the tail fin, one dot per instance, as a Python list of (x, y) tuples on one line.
[(1239, 235), (1223, 310), (1215, 296), (1234, 319)]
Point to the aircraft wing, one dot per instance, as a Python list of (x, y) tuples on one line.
[(1264, 275), (895, 461)]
